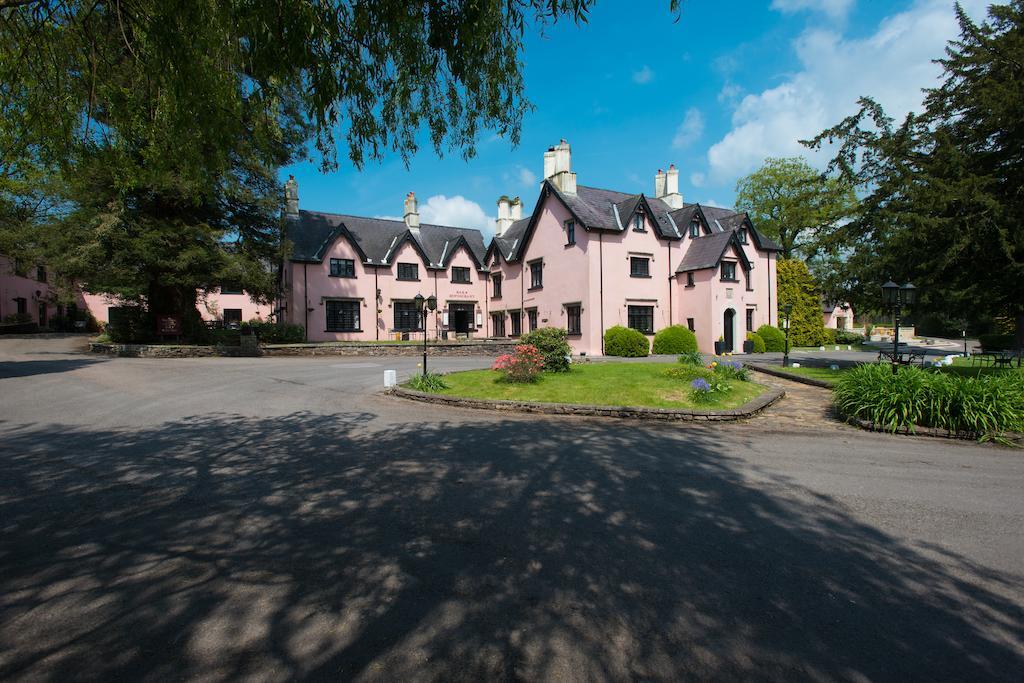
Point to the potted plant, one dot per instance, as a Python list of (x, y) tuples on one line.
[(748, 346), (720, 346)]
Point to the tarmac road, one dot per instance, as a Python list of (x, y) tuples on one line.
[(279, 519)]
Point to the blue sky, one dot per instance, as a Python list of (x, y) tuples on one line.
[(716, 92)]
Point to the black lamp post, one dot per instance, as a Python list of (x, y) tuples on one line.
[(423, 305), (788, 310), (895, 298)]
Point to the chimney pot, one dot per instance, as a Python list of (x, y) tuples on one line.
[(412, 214), (291, 197)]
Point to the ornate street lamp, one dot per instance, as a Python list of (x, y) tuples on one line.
[(423, 305), (788, 310), (895, 298)]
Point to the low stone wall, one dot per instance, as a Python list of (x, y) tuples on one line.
[(811, 381), (749, 409), (336, 349)]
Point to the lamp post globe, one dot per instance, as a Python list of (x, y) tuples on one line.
[(788, 310), (908, 294), (432, 302), (418, 299), (890, 294)]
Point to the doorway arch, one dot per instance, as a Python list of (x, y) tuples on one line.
[(728, 329)]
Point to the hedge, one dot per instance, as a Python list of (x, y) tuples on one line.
[(625, 341), (675, 339), (774, 338)]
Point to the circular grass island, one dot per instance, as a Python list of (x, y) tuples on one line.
[(658, 390)]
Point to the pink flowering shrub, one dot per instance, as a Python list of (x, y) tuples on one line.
[(524, 365)]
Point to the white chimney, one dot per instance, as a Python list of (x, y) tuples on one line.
[(291, 197), (504, 215), (671, 195), (517, 209), (558, 167), (412, 214), (659, 184)]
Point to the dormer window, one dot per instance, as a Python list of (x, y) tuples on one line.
[(694, 228), (638, 223), (741, 234)]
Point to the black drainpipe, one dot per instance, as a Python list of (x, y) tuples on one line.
[(600, 260), (305, 297)]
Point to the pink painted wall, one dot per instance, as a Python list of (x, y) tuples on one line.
[(377, 312), (14, 286), (831, 318), (212, 305)]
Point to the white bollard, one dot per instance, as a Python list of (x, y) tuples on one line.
[(821, 348), (390, 379), (794, 365), (837, 347), (833, 367)]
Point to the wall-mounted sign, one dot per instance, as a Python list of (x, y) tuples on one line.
[(169, 325)]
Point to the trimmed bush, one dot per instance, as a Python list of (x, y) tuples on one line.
[(774, 338), (675, 339), (626, 342), (553, 344), (274, 333), (847, 337), (996, 342), (759, 346), (982, 407)]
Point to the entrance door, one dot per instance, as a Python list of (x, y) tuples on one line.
[(727, 335), (461, 317), (42, 315)]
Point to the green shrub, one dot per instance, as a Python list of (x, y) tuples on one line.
[(983, 407), (829, 336), (675, 339), (274, 333), (996, 342), (553, 344), (525, 365), (759, 346), (731, 369), (708, 390), (847, 337), (626, 342), (692, 358), (774, 338), (129, 325), (17, 318), (223, 337), (429, 383)]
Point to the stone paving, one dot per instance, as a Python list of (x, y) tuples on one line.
[(804, 408)]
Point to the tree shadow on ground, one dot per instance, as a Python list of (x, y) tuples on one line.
[(315, 547), (29, 368)]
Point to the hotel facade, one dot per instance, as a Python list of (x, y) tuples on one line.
[(584, 259)]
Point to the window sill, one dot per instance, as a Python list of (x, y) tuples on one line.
[(407, 279), (340, 331), (461, 282), (344, 277), (574, 334), (689, 286), (534, 289), (640, 276), (570, 244), (728, 280)]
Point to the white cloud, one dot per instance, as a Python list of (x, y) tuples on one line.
[(697, 179), (729, 94), (643, 76), (690, 129), (712, 202), (890, 65), (527, 177), (836, 9), (455, 211)]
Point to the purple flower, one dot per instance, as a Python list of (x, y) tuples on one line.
[(700, 384)]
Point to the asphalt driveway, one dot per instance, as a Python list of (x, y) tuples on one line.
[(277, 519)]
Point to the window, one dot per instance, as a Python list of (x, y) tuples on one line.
[(22, 304), (407, 318), (638, 223), (41, 273), (689, 279), (570, 232), (689, 324), (496, 286), (408, 271), (642, 318), (497, 324), (741, 235), (343, 267), (460, 274), (639, 266), (572, 319), (517, 323), (694, 228), (531, 317), (230, 288), (232, 317), (536, 275), (343, 316), (750, 320), (729, 271)]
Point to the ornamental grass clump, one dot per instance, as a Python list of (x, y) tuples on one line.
[(523, 366), (984, 407), (430, 383), (692, 358)]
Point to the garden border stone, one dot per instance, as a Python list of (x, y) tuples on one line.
[(933, 432), (748, 409), (471, 348)]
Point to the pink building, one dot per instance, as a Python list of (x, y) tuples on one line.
[(26, 290), (585, 260), (837, 315)]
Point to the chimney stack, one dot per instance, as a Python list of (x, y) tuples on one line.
[(517, 209), (558, 167), (504, 215), (412, 214), (666, 187), (291, 197)]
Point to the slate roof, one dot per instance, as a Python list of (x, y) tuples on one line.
[(312, 233), (705, 252), (510, 244)]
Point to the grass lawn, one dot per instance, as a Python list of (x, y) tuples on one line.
[(815, 373), (860, 346), (961, 366), (606, 384)]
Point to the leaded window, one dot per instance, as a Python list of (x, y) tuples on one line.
[(342, 316)]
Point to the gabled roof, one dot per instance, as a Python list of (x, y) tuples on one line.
[(376, 239), (510, 244), (707, 252)]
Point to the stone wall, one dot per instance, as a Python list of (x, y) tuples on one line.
[(481, 348)]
